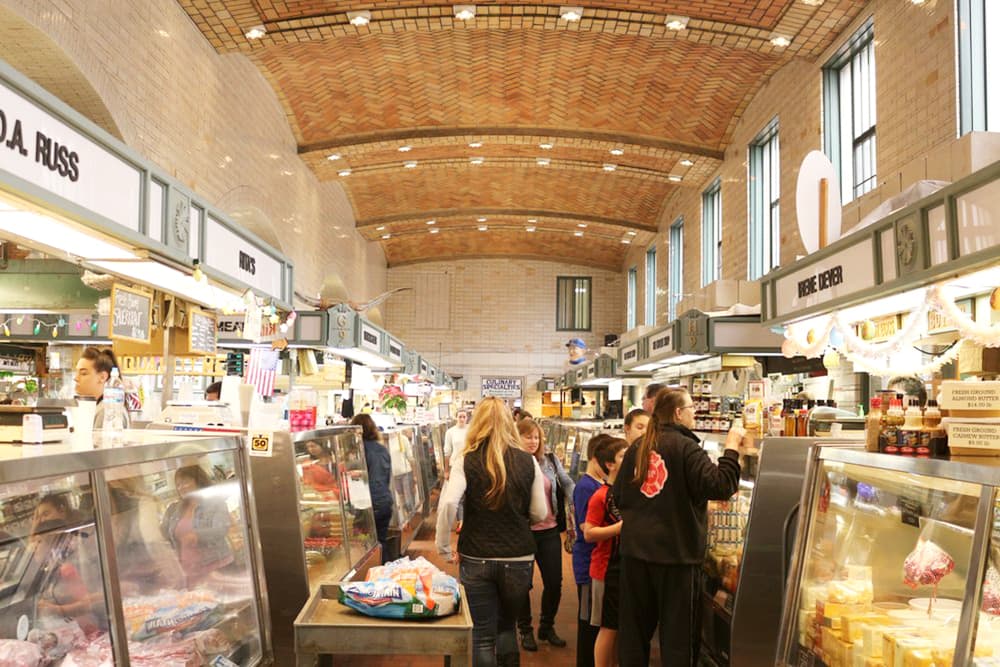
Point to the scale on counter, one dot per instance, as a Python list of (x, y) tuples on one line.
[(55, 422), (203, 416)]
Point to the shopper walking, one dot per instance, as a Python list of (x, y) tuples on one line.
[(505, 494), (379, 464), (548, 541), (454, 446), (662, 491)]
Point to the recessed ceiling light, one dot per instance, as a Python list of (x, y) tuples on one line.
[(545, 146), (344, 172), (581, 225), (333, 157), (410, 164), (780, 40), (481, 219), (918, 2), (483, 228), (817, 3), (435, 230), (609, 167), (674, 22), (431, 222), (464, 12), (529, 228), (405, 149), (532, 220), (631, 233), (256, 32), (674, 178), (626, 241), (577, 233), (380, 228), (477, 160), (686, 162), (475, 144), (617, 151), (386, 236), (570, 14), (543, 161), (360, 17)]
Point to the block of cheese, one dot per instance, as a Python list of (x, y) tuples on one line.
[(921, 658), (871, 636), (852, 624), (874, 662)]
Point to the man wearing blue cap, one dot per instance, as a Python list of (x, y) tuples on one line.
[(577, 351)]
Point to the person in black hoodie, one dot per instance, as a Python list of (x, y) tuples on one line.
[(662, 492), (379, 465)]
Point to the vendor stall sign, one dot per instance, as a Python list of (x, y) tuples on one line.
[(201, 331), (630, 354), (502, 387), (846, 272), (131, 314), (938, 323), (232, 254), (880, 329)]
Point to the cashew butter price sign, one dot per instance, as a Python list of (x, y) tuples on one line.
[(131, 314), (502, 387)]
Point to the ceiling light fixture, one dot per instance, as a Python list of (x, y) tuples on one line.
[(674, 178), (431, 222), (532, 220), (626, 241), (483, 228), (464, 12), (577, 233), (332, 157), (481, 219), (380, 228), (529, 228), (344, 172), (609, 167), (581, 225), (545, 147), (386, 236), (475, 144), (570, 14), (617, 151), (359, 18), (543, 162), (477, 160), (814, 3), (256, 32), (674, 22), (411, 164), (405, 149), (435, 230), (780, 40), (686, 163), (631, 233)]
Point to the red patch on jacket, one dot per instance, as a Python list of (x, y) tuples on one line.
[(656, 476)]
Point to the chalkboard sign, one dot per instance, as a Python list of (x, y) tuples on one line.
[(131, 314), (201, 331)]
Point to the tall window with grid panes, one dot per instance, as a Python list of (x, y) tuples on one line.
[(763, 202), (979, 65), (711, 233), (651, 286), (630, 298), (676, 268)]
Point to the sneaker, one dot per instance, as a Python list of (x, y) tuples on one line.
[(549, 635), (528, 641)]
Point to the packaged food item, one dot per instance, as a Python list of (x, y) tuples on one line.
[(403, 589), (991, 592), (17, 653), (926, 565)]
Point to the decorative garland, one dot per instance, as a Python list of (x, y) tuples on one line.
[(904, 338), (981, 334), (865, 365)]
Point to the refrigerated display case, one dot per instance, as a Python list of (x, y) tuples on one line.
[(407, 483), (895, 563), (316, 519), (141, 554)]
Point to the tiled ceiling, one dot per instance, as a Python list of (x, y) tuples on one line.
[(566, 136)]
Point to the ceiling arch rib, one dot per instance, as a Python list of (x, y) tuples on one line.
[(538, 215)]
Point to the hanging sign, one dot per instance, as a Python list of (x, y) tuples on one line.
[(846, 272), (201, 331), (630, 354), (131, 314), (884, 328), (938, 323), (233, 255), (371, 338), (395, 350), (501, 387)]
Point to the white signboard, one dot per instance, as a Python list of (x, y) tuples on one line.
[(847, 272), (43, 150), (395, 350), (982, 437), (957, 395), (661, 343), (236, 257), (371, 338), (744, 335), (501, 387), (629, 355)]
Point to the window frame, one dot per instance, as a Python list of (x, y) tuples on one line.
[(764, 201), (675, 249), (589, 291), (711, 233), (978, 58), (631, 297), (650, 293), (860, 46)]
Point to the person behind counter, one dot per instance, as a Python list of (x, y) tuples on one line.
[(321, 473), (197, 526), (93, 371), (662, 492), (379, 465), (213, 391)]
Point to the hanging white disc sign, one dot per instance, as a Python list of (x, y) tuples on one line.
[(816, 167)]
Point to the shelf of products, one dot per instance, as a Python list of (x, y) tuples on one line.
[(896, 564), (145, 552)]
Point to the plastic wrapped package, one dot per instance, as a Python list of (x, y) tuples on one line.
[(17, 653), (927, 564), (403, 589)]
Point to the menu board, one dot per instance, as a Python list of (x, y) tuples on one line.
[(201, 331), (131, 314)]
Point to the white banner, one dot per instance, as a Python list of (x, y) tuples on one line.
[(236, 257), (501, 387)]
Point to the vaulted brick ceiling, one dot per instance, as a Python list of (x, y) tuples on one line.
[(516, 132)]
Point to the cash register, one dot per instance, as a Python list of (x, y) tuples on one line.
[(55, 422)]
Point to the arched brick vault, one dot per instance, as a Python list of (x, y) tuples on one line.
[(513, 116)]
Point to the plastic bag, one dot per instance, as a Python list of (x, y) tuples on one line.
[(927, 564), (403, 589)]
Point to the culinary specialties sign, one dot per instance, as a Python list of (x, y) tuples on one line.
[(201, 332), (131, 313), (501, 387)]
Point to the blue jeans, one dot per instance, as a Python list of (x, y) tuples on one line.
[(495, 589)]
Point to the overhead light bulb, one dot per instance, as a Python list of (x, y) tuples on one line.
[(435, 230), (432, 222), (38, 327), (545, 146), (570, 14), (55, 332), (617, 151), (483, 228), (6, 329), (686, 163), (380, 228), (385, 236), (674, 178), (817, 3), (631, 233), (411, 164), (256, 32), (464, 12), (626, 241), (198, 274), (581, 225), (609, 167), (674, 22), (333, 157), (780, 40), (543, 162), (344, 172), (532, 220), (481, 219), (577, 233), (20, 319), (405, 149), (475, 144), (530, 228), (476, 160), (359, 18)]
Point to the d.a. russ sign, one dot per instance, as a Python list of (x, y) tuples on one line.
[(46, 150)]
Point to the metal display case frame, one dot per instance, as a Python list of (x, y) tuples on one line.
[(407, 525)]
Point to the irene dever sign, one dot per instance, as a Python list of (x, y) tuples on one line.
[(502, 387)]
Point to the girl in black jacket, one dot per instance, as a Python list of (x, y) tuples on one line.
[(662, 492)]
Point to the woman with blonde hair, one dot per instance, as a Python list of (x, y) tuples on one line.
[(504, 494), (548, 543)]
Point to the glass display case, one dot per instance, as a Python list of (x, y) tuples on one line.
[(896, 563), (407, 483), (144, 554)]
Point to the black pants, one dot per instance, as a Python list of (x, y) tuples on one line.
[(586, 634), (548, 558), (383, 515), (666, 594)]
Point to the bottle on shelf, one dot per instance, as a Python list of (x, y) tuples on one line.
[(909, 432), (893, 419), (113, 406), (802, 419), (873, 425), (934, 439), (788, 415)]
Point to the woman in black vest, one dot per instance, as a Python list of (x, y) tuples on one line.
[(548, 544), (504, 494)]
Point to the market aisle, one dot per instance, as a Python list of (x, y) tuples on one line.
[(547, 655)]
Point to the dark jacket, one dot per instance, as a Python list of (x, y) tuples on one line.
[(665, 519), (504, 532), (379, 474)]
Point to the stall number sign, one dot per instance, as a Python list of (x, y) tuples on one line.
[(502, 387), (970, 395), (201, 332), (131, 312), (261, 444)]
